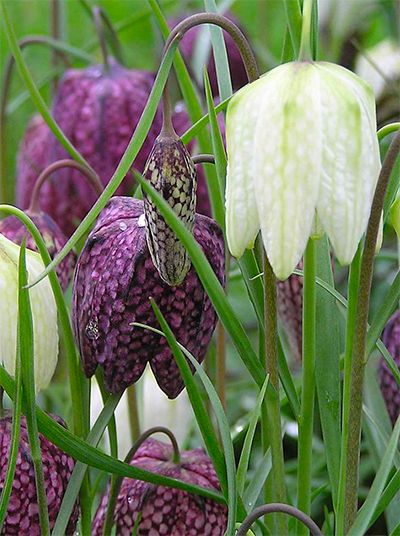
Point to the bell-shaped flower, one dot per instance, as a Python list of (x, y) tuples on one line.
[(301, 141), (44, 313)]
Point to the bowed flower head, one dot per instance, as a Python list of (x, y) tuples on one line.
[(44, 313), (301, 141)]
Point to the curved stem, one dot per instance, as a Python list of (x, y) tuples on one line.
[(167, 128), (203, 159), (387, 129), (109, 520), (98, 22), (237, 35), (91, 177), (359, 347), (8, 70), (278, 508)]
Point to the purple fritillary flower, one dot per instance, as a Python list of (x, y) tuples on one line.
[(290, 310), (390, 389), (237, 69), (13, 229), (98, 112), (114, 279), (23, 514), (166, 511)]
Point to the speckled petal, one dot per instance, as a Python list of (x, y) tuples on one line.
[(167, 511), (23, 514), (114, 279), (390, 389)]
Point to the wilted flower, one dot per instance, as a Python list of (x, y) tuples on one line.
[(98, 111), (44, 312), (167, 511), (23, 512), (389, 387), (13, 229), (301, 141)]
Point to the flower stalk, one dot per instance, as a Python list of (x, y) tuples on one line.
[(358, 358)]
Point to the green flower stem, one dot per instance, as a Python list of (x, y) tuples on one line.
[(360, 332), (134, 421), (305, 53), (306, 420), (272, 403), (293, 18)]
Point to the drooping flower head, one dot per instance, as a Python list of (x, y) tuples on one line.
[(23, 511), (301, 141), (166, 511), (98, 110), (44, 312)]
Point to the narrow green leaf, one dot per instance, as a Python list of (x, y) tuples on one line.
[(125, 163), (391, 490), (211, 284), (223, 425), (34, 92), (78, 474), (220, 55), (29, 391), (83, 452), (202, 122), (366, 511), (327, 365), (248, 441), (256, 484)]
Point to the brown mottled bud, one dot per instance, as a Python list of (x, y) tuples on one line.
[(170, 170)]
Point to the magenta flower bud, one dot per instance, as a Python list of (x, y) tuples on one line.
[(23, 512), (237, 69), (114, 281), (13, 229), (166, 511), (390, 389), (98, 111)]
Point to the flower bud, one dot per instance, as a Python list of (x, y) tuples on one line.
[(167, 511), (23, 511), (44, 313), (301, 139)]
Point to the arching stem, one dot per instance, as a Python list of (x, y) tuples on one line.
[(278, 508), (8, 71), (203, 159), (109, 520), (91, 177)]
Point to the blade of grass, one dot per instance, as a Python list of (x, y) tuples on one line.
[(327, 365), (202, 122), (211, 285), (16, 420), (223, 425), (220, 55), (83, 452), (28, 382), (366, 511), (255, 486), (34, 92), (248, 441), (125, 163), (78, 474)]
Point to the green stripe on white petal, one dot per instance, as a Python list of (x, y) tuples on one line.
[(351, 160), (44, 313), (242, 223), (287, 162)]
